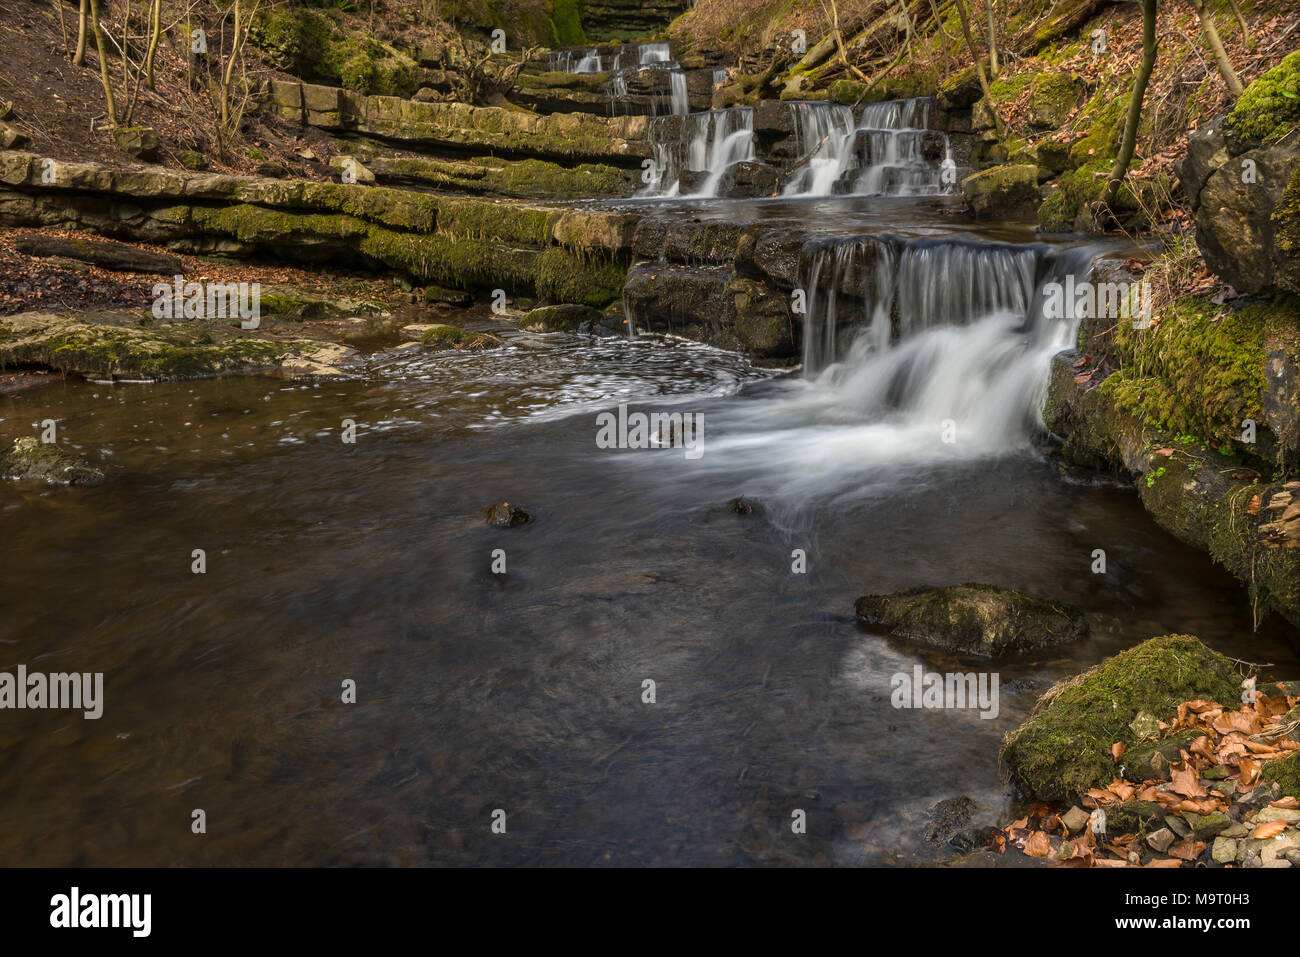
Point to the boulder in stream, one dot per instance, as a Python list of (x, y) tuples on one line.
[(982, 620), (31, 459), (567, 317), (1065, 746)]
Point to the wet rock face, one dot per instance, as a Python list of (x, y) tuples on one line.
[(31, 460), (982, 620), (1242, 175), (1003, 192)]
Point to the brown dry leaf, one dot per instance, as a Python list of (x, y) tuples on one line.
[(1108, 862), (1268, 830), (1260, 748), (1229, 721), (1200, 705), (1117, 751), (1094, 797), (1122, 789), (1201, 746), (1038, 845), (1148, 793), (1187, 850), (1249, 771), (1287, 803), (1185, 782), (1253, 507), (998, 842), (1164, 862), (1206, 805)]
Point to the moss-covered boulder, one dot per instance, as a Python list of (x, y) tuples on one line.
[(1053, 97), (442, 336), (982, 620), (1242, 175), (29, 459), (764, 323), (1003, 192), (1064, 747), (1269, 109), (565, 317), (138, 141)]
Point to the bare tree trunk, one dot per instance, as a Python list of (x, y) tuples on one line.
[(993, 38), (998, 126), (102, 52), (1129, 142), (79, 58), (1245, 30), (155, 31), (1216, 46), (63, 26)]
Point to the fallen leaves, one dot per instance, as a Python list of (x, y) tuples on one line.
[(1218, 771), (1268, 830)]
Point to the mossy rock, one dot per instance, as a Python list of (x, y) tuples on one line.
[(1064, 747), (763, 321), (1053, 97), (1200, 370), (846, 92), (982, 620), (1268, 109), (29, 459), (566, 317), (454, 337), (1003, 192), (1285, 773)]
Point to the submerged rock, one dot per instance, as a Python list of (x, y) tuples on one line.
[(30, 459), (441, 336), (1064, 747), (505, 515), (973, 619)]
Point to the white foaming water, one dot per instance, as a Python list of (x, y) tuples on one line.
[(891, 151), (709, 142), (681, 104), (944, 356)]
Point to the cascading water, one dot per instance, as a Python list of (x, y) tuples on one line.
[(681, 104), (707, 143), (823, 137), (891, 151)]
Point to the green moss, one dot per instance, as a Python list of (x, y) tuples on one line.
[(588, 279), (846, 92), (313, 47), (1286, 218), (1270, 107), (566, 23), (1199, 370), (1284, 772), (1102, 115), (454, 337), (1064, 747)]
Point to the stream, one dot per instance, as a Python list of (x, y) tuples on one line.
[(523, 691)]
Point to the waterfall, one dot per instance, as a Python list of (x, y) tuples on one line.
[(892, 290), (891, 151), (823, 137), (926, 330), (702, 143), (681, 104)]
